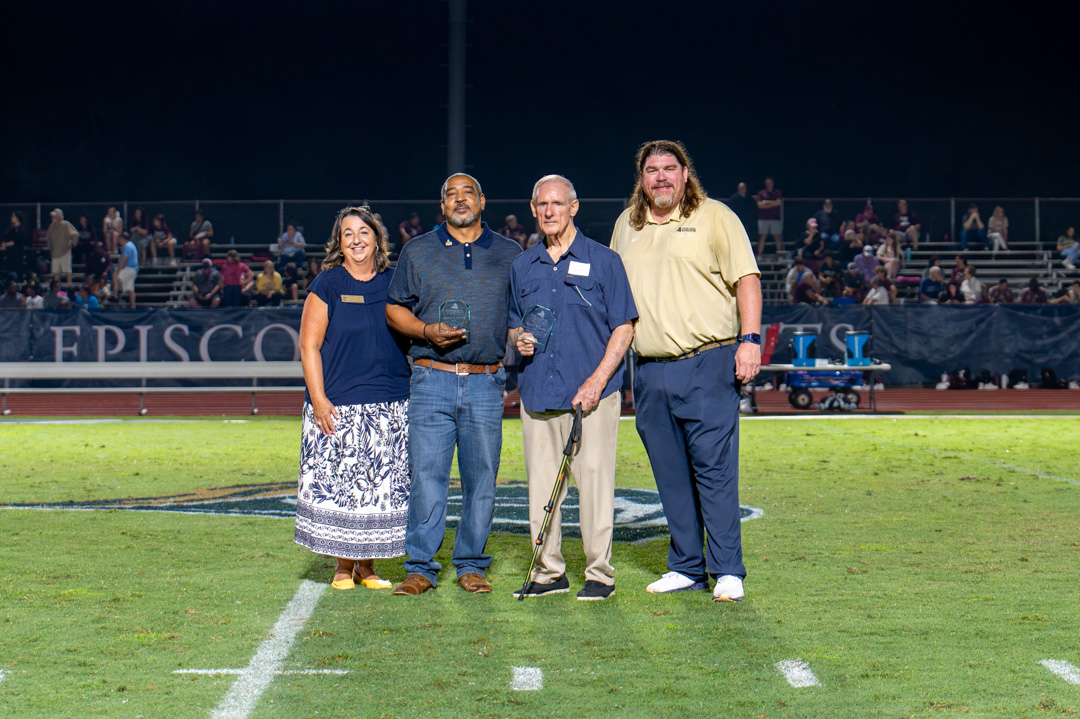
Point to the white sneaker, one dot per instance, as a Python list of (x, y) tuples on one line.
[(1068, 264), (1021, 385), (941, 385), (728, 589), (674, 582), (1074, 385)]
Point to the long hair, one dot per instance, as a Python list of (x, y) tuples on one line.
[(693, 195), (382, 242)]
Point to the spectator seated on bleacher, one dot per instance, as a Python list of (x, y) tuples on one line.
[(795, 275), (852, 246), (409, 228), (201, 232), (268, 287), (878, 294), (313, 269), (866, 262), (907, 224), (1033, 294), (112, 226), (234, 276), (807, 292), (291, 246), (1068, 295), (890, 253), (889, 285), (98, 261), (99, 285), (85, 299), (958, 271), (971, 288), (972, 229), (206, 286), (12, 299), (854, 283), (1002, 294), (162, 238), (812, 246), (932, 287), (951, 295), (1068, 248), (828, 276), (997, 230), (56, 299), (290, 280), (828, 224), (34, 300)]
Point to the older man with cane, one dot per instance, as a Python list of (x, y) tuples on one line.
[(571, 317)]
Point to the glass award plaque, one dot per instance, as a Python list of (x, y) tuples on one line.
[(456, 314), (539, 322)]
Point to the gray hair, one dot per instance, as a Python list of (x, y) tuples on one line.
[(554, 178), (446, 183)]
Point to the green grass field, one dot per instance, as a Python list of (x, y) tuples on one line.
[(921, 567)]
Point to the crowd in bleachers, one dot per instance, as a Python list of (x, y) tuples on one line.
[(865, 259)]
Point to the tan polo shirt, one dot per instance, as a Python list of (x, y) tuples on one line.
[(683, 274)]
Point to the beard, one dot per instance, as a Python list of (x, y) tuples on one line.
[(663, 201), (456, 221)]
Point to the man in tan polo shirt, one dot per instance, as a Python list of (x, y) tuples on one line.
[(61, 236), (698, 294)]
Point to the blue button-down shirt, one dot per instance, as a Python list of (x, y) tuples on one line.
[(588, 290)]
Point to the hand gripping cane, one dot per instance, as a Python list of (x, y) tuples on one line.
[(564, 468)]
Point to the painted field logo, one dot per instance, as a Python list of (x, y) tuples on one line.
[(638, 512)]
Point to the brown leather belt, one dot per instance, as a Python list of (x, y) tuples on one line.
[(692, 353), (461, 368)]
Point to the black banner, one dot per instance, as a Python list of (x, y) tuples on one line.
[(920, 341)]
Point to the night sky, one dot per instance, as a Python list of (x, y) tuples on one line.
[(220, 101)]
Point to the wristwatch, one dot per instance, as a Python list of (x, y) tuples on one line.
[(753, 338)]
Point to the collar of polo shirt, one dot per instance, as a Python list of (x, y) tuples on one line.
[(485, 239), (579, 248), (676, 216)]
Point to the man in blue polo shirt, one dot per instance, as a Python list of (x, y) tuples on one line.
[(457, 380), (579, 363)]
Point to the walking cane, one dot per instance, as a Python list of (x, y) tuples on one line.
[(564, 468)]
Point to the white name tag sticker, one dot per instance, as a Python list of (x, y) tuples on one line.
[(579, 269)]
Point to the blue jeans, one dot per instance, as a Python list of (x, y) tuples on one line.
[(445, 410), (1071, 253), (967, 236)]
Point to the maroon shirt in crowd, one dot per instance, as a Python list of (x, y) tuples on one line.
[(769, 213)]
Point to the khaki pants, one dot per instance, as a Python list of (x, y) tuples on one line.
[(593, 467)]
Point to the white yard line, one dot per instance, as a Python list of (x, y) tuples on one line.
[(527, 679), (285, 672), (268, 659), (1063, 669), (3, 675), (798, 673)]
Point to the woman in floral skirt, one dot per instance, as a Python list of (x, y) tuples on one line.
[(353, 498)]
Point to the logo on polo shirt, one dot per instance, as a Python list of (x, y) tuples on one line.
[(686, 229)]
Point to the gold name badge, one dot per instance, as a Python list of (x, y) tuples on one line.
[(354, 299)]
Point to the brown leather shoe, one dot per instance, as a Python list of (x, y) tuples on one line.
[(474, 583), (413, 584)]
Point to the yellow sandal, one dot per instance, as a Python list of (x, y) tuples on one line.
[(372, 582)]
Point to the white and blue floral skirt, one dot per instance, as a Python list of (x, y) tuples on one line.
[(353, 498)]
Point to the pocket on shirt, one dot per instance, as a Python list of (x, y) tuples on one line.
[(683, 245), (581, 291)]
